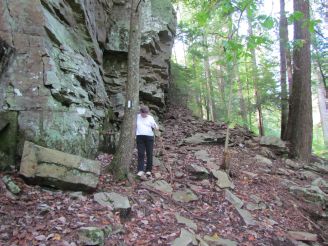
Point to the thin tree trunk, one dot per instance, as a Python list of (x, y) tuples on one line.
[(283, 68), (226, 154), (243, 111), (242, 105), (221, 85), (301, 99), (248, 97), (198, 90), (123, 156), (322, 98), (209, 84), (255, 80)]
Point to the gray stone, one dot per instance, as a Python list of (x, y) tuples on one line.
[(178, 174), (78, 195), (293, 164), (203, 138), (59, 169), (219, 241), (223, 180), (185, 195), (307, 175), (250, 174), (320, 182), (282, 171), (255, 206), (233, 199), (113, 200), (199, 171), (10, 184), (189, 223), (160, 185), (312, 194), (272, 141), (186, 239), (255, 199), (202, 155), (263, 160), (317, 167), (246, 216), (303, 236), (91, 236)]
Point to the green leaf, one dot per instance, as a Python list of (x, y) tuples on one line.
[(296, 16), (268, 23), (312, 24), (202, 18)]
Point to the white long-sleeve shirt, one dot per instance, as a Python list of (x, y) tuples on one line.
[(146, 125)]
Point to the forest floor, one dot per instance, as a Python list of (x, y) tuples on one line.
[(41, 216)]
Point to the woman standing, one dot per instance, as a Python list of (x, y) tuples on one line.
[(145, 140)]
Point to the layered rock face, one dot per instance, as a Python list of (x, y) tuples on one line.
[(63, 69)]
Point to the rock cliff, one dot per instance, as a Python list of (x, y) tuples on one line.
[(63, 69)]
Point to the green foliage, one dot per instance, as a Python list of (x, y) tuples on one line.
[(296, 16), (215, 30), (318, 145), (266, 21)]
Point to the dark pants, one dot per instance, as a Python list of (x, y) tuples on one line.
[(145, 143)]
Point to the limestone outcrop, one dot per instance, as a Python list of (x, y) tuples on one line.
[(63, 69)]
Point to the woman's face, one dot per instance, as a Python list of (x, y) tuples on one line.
[(144, 115)]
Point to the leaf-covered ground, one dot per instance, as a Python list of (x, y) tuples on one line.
[(40, 216)]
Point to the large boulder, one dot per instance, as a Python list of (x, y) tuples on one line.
[(276, 144), (58, 169)]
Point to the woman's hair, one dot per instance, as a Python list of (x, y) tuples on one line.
[(144, 109)]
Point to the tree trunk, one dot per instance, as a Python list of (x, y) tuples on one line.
[(221, 86), (209, 84), (300, 133), (225, 164), (198, 90), (255, 80), (123, 156), (283, 68), (243, 111), (323, 107)]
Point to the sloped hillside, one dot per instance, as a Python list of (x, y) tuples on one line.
[(268, 200)]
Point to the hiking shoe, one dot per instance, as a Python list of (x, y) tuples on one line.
[(140, 173), (148, 173)]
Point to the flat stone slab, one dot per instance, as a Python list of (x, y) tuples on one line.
[(293, 164), (247, 217), (219, 241), (303, 236), (112, 199), (202, 155), (58, 169), (203, 138), (233, 199), (188, 222), (272, 141), (160, 185), (263, 160), (198, 171), (186, 238), (185, 195), (223, 180), (311, 194)]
